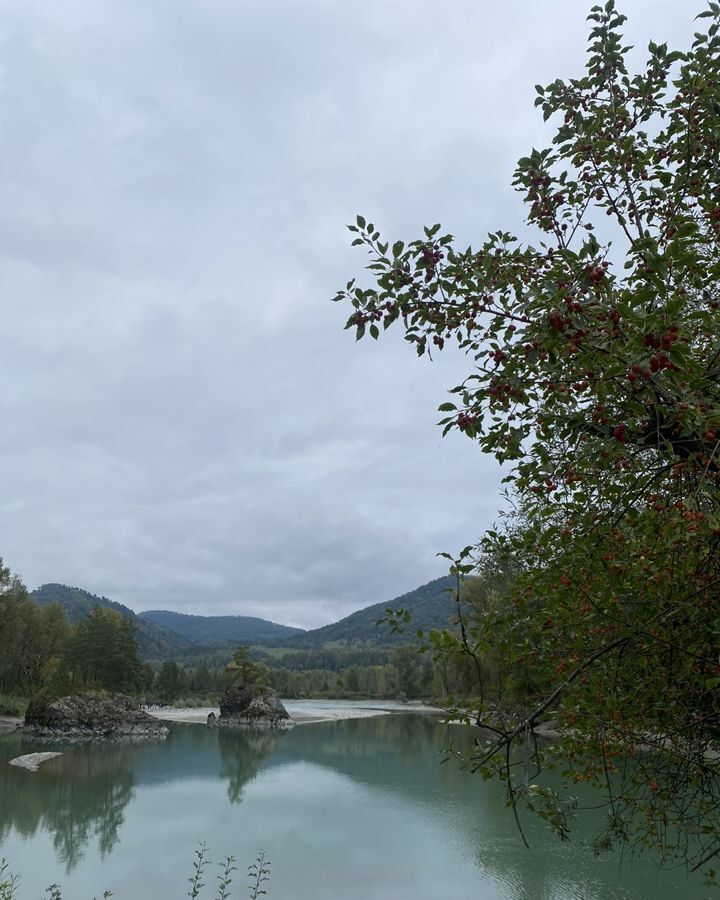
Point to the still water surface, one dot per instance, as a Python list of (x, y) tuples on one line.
[(345, 810)]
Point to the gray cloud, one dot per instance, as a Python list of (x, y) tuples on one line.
[(184, 422)]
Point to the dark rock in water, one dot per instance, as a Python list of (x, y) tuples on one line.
[(252, 705), (94, 714), (212, 718)]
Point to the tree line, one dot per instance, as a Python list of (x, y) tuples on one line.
[(41, 650)]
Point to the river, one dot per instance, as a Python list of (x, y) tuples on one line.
[(355, 809)]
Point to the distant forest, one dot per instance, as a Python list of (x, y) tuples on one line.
[(60, 637)]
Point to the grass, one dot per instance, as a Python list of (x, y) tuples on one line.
[(258, 874), (195, 702), (12, 705)]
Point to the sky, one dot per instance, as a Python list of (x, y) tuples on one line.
[(184, 424)]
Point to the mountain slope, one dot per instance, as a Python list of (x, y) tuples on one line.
[(154, 641), (209, 629), (431, 606), (163, 634)]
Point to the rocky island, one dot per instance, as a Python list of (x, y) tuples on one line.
[(246, 699), (94, 714), (252, 705)]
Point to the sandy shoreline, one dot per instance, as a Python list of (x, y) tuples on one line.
[(303, 712)]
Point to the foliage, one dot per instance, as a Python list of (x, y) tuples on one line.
[(170, 682), (225, 878), (258, 874), (153, 639), (103, 651), (199, 865), (41, 652), (243, 672), (32, 639), (596, 382), (12, 705), (350, 672), (429, 603), (209, 629), (8, 882)]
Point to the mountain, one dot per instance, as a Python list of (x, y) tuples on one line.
[(163, 634), (154, 641), (211, 629), (431, 606)]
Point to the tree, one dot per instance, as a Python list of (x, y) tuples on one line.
[(596, 378), (201, 680), (242, 672), (168, 682), (13, 627), (33, 639), (351, 679), (103, 651)]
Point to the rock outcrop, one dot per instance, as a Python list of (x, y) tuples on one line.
[(32, 761), (252, 705), (91, 715)]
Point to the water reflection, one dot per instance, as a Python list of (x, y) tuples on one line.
[(338, 790), (243, 752), (76, 797)]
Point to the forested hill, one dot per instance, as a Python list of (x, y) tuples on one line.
[(431, 606), (163, 634), (154, 641), (76, 602), (210, 629)]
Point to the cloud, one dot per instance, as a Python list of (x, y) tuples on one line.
[(185, 424)]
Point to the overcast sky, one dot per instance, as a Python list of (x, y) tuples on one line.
[(184, 423)]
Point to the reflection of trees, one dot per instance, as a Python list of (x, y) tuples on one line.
[(243, 752), (401, 755), (80, 795), (550, 867), (83, 794), (380, 751), (406, 737)]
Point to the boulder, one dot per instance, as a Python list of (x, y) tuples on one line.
[(212, 719), (252, 705), (94, 714), (32, 761)]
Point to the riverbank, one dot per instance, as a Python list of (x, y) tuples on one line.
[(305, 712), (10, 723)]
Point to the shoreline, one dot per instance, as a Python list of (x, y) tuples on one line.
[(303, 712), (10, 723)]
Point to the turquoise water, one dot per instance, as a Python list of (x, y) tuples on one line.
[(347, 810)]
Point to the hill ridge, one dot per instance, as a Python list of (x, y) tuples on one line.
[(431, 606), (199, 629), (164, 634), (153, 640)]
